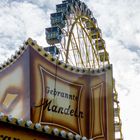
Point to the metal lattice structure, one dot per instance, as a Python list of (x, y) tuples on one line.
[(75, 34), (117, 118)]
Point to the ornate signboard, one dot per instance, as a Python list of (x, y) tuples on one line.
[(40, 88)]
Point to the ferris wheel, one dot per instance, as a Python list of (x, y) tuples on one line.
[(74, 35), (75, 38)]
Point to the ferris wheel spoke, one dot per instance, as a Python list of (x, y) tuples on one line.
[(73, 51), (70, 34), (81, 48), (63, 51), (64, 54), (86, 48), (91, 44), (78, 36), (93, 55), (79, 52)]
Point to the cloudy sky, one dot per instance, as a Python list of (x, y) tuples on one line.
[(120, 24)]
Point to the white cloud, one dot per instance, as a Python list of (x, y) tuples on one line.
[(18, 21), (46, 4)]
